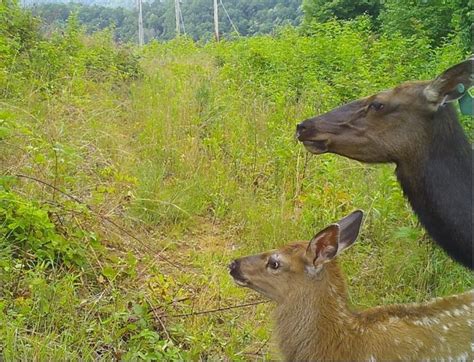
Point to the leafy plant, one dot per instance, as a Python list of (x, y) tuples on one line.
[(30, 235)]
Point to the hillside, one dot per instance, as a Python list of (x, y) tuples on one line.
[(237, 17), (128, 4)]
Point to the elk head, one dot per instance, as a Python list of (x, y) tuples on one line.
[(389, 126)]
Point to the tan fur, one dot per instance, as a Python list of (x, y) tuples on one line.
[(314, 322)]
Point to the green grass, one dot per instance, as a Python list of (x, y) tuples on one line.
[(184, 168)]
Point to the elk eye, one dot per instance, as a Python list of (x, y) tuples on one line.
[(273, 264), (376, 106)]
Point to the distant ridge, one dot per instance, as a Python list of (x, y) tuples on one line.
[(128, 4), (238, 18)]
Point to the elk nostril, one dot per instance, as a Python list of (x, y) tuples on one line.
[(300, 127), (233, 265)]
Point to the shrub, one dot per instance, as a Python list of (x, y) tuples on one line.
[(29, 233)]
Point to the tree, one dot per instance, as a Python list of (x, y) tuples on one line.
[(437, 19), (323, 10), (249, 17)]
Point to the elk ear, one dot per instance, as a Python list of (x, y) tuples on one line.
[(451, 84), (323, 247), (349, 229), (334, 239)]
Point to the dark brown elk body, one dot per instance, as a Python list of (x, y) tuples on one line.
[(314, 322), (415, 127)]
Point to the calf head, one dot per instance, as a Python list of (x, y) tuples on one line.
[(296, 267)]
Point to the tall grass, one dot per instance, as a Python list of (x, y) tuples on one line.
[(193, 160)]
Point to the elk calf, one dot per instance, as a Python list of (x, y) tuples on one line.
[(313, 321)]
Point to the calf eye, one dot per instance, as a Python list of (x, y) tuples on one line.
[(273, 264), (376, 106)]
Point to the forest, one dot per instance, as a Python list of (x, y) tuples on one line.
[(436, 19), (130, 177), (238, 17)]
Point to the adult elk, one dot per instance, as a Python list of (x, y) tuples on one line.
[(314, 323), (415, 126)]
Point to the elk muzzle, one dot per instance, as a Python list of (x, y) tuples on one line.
[(314, 141), (235, 272), (318, 134)]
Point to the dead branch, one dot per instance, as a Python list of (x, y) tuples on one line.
[(105, 218), (219, 309)]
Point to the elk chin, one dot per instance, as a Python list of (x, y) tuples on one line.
[(316, 147), (242, 282), (265, 293), (239, 278)]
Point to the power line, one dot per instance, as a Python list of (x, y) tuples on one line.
[(228, 17), (182, 20)]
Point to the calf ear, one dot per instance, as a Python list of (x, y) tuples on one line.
[(323, 247), (332, 240), (451, 84), (349, 229)]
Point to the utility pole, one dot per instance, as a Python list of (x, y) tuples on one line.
[(216, 21), (140, 23), (177, 12)]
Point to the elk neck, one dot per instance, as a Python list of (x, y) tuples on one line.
[(315, 317), (437, 180)]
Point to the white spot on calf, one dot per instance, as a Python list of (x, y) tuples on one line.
[(447, 313), (419, 343), (461, 358), (427, 322), (393, 319)]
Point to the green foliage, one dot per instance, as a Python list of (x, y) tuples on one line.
[(18, 29), (438, 20), (316, 69), (143, 340), (30, 235), (48, 64), (322, 10)]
